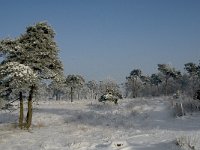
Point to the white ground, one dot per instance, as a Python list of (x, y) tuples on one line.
[(133, 124)]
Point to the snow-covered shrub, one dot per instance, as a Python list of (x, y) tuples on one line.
[(190, 142), (107, 86), (108, 97)]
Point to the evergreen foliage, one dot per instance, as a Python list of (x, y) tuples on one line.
[(34, 55), (193, 71), (16, 77), (93, 87), (74, 82), (134, 82), (168, 72)]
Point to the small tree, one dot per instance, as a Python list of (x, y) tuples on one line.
[(74, 82)]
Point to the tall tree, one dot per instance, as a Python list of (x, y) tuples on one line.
[(17, 78), (37, 49)]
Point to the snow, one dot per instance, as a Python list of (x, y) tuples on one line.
[(133, 124)]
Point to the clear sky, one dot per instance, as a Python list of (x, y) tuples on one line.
[(102, 39)]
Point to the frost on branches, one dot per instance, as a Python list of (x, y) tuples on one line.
[(17, 76), (28, 60)]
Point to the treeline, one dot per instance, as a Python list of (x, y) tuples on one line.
[(167, 81), (75, 87)]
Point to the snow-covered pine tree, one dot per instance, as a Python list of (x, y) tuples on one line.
[(15, 79), (194, 73), (74, 82), (155, 80), (93, 87), (37, 49), (168, 72), (146, 85), (133, 82)]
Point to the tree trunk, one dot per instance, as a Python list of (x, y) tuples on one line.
[(21, 113), (71, 92), (95, 95), (30, 111), (166, 84), (158, 92), (193, 86), (92, 95), (133, 89)]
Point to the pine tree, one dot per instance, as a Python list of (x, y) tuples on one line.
[(155, 80), (37, 49), (17, 78), (168, 72), (93, 87), (194, 74), (134, 82), (74, 82)]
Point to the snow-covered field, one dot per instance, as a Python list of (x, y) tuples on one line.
[(133, 124)]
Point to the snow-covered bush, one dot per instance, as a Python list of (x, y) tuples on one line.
[(190, 142), (108, 85)]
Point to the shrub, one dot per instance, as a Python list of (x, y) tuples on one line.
[(188, 142)]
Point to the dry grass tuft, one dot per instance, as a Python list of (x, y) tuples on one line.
[(188, 142)]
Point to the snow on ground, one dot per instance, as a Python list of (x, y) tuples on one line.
[(133, 124)]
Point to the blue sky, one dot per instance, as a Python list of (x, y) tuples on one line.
[(102, 39)]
